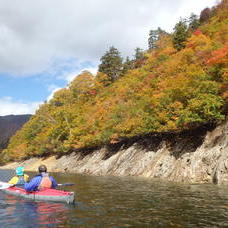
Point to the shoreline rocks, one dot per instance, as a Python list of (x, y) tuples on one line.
[(196, 157)]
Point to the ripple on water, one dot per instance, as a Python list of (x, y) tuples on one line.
[(15, 212), (122, 202)]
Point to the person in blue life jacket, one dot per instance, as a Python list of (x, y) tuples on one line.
[(41, 181), (20, 178)]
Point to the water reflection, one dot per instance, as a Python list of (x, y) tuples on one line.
[(122, 202), (16, 212)]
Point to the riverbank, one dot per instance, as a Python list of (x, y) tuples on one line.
[(197, 156)]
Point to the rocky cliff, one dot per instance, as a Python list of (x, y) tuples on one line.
[(196, 156)]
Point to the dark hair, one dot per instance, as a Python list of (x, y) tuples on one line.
[(42, 169)]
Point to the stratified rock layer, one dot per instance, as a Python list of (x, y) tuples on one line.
[(193, 157)]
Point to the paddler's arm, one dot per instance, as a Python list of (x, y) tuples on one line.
[(26, 178), (54, 183), (13, 180), (33, 184)]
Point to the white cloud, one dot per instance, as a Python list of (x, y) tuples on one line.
[(33, 34), (193, 7), (52, 89), (9, 106), (63, 38), (70, 76)]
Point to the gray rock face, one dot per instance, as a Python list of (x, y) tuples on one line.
[(207, 163), (195, 158)]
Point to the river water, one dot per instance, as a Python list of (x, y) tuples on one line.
[(120, 202)]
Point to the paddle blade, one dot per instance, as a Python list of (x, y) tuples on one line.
[(4, 185)]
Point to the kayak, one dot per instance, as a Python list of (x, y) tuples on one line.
[(42, 195)]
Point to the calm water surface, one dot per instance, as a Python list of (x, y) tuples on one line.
[(120, 202)]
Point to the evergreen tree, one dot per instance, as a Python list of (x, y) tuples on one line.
[(193, 22), (127, 65), (139, 54), (111, 63), (180, 35), (153, 37), (138, 57), (161, 32)]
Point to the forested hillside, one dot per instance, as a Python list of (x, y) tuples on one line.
[(9, 125), (180, 82)]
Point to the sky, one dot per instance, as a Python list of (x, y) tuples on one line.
[(44, 44)]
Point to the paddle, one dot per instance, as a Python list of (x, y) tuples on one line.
[(66, 184), (5, 185)]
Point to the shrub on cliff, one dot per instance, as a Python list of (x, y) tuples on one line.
[(171, 90)]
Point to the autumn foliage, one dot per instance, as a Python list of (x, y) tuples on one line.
[(173, 90)]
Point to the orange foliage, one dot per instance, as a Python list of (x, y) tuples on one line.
[(219, 56), (225, 95), (169, 91), (197, 32)]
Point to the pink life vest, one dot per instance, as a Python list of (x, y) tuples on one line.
[(45, 182)]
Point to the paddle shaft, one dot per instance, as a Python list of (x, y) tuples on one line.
[(66, 184)]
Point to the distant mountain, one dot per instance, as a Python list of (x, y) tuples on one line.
[(9, 125)]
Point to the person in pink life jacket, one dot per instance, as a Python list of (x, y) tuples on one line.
[(41, 181)]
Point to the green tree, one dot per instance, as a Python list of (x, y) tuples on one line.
[(127, 65), (154, 36), (111, 63), (180, 35), (152, 40), (193, 22), (138, 57), (139, 54)]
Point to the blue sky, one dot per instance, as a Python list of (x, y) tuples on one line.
[(27, 88), (46, 43)]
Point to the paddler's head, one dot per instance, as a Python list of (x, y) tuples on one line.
[(20, 171), (42, 169)]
